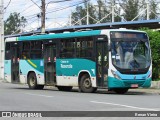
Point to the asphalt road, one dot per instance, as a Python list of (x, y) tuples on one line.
[(15, 97)]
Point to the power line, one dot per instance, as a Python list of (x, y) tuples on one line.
[(56, 2), (58, 9), (67, 7), (27, 7), (32, 21), (7, 5), (36, 4)]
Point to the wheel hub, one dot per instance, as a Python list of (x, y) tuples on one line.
[(87, 83), (32, 81)]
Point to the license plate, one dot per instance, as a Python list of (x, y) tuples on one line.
[(134, 85)]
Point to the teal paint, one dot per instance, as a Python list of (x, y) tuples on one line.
[(115, 83), (147, 83), (25, 66), (7, 67), (135, 76), (60, 35), (72, 67)]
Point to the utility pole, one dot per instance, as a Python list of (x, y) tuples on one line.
[(1, 41), (112, 10), (87, 14), (99, 8), (147, 10), (38, 16), (70, 19), (43, 11)]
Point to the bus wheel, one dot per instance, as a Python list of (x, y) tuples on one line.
[(32, 82), (86, 84), (64, 88), (120, 90)]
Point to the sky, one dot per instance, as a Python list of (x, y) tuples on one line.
[(57, 14)]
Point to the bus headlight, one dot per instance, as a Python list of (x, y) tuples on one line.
[(150, 75), (115, 75)]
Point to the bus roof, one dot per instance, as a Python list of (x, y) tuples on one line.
[(60, 35), (66, 35)]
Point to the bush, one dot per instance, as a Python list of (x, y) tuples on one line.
[(154, 37)]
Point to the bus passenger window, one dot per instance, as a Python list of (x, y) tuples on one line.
[(25, 55), (36, 50), (25, 50), (7, 51), (85, 47), (67, 49)]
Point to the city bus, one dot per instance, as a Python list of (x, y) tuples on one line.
[(116, 59)]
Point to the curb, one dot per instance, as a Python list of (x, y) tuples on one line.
[(154, 89), (155, 84), (146, 90)]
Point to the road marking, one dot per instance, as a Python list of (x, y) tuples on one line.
[(124, 105), (39, 95)]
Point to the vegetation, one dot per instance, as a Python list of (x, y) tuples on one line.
[(124, 10), (154, 37), (14, 23), (130, 9), (99, 13), (153, 9)]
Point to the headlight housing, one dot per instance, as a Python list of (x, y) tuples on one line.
[(115, 75), (150, 75)]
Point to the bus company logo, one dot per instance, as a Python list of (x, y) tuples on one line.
[(21, 114), (6, 114)]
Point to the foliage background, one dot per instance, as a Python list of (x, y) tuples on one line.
[(154, 37)]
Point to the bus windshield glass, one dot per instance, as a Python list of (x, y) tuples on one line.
[(130, 50)]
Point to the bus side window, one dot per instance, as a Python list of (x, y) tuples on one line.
[(7, 51), (25, 50), (36, 50), (85, 47), (67, 49)]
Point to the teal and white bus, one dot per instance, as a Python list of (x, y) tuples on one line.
[(116, 59)]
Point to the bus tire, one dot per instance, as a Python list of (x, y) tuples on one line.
[(86, 84), (64, 88), (32, 82), (120, 90)]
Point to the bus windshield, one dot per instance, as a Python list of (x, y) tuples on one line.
[(130, 50)]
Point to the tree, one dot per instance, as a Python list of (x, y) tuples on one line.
[(14, 23), (117, 11), (155, 45), (153, 9), (102, 13), (130, 8), (79, 16), (91, 11)]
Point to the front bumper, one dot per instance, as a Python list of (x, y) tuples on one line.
[(116, 83)]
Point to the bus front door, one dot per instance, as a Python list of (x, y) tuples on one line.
[(49, 63), (15, 63), (102, 63)]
